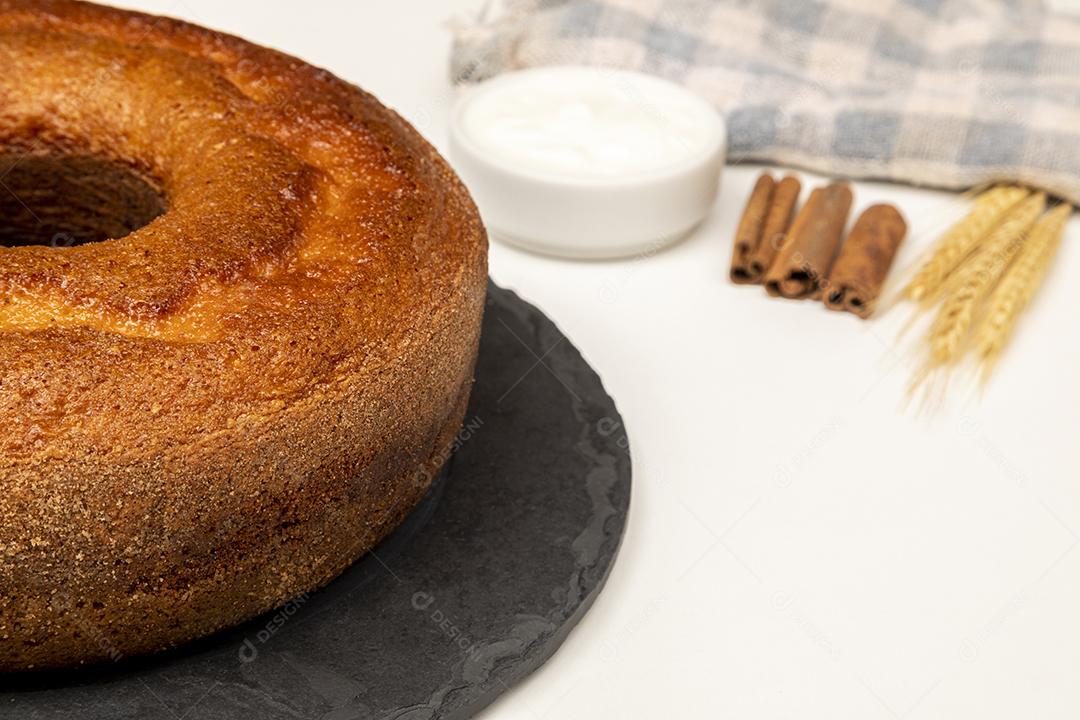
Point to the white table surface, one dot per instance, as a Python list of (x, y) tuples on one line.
[(799, 545)]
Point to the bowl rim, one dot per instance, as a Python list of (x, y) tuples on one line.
[(716, 145)]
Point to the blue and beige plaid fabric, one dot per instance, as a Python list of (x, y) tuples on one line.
[(946, 93)]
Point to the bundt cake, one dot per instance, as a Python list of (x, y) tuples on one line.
[(240, 303)]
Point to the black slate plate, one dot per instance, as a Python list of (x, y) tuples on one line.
[(477, 588)]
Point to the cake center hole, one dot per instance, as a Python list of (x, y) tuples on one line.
[(67, 200)]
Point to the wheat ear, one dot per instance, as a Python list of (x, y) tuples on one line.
[(958, 242), (976, 279), (1019, 286)]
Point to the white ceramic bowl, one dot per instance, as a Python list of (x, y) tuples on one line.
[(592, 209)]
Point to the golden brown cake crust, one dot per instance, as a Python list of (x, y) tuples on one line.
[(227, 406)]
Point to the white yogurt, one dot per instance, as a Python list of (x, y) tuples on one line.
[(588, 162), (597, 124)]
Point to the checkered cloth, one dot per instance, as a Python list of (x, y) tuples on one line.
[(945, 93)]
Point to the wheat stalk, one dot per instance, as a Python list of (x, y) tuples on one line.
[(1019, 286), (976, 278), (959, 241)]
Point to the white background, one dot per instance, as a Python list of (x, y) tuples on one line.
[(800, 545)]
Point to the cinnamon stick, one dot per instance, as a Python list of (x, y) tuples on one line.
[(865, 260), (811, 244), (777, 222), (748, 234)]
